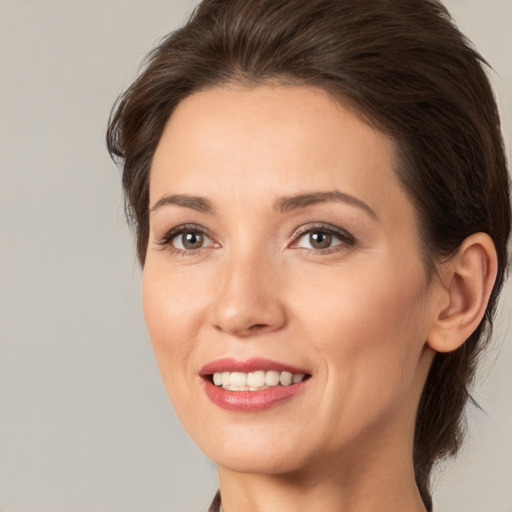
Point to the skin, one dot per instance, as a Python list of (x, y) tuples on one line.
[(356, 315)]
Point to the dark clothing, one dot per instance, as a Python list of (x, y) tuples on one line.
[(215, 506)]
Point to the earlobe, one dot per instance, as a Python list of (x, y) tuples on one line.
[(467, 282)]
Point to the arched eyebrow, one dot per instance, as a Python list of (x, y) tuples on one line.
[(282, 205), (197, 203), (295, 202)]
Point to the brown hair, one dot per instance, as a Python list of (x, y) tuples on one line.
[(408, 71)]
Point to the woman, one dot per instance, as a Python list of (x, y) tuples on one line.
[(321, 202)]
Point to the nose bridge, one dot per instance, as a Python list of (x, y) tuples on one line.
[(247, 299)]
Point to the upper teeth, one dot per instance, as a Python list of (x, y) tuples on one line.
[(255, 381)]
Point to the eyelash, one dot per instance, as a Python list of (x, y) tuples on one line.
[(345, 238), (166, 241)]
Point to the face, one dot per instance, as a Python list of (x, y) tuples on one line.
[(283, 288)]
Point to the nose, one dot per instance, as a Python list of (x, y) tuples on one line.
[(248, 300)]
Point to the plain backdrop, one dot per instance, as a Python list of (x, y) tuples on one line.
[(85, 424)]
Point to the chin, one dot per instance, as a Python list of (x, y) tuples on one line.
[(258, 463), (254, 452)]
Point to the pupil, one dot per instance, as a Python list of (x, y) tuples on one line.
[(193, 240), (320, 240)]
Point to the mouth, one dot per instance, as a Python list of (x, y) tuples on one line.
[(251, 385)]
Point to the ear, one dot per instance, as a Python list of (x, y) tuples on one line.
[(466, 282)]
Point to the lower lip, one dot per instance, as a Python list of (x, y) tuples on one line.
[(251, 401)]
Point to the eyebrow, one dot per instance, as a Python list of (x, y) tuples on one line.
[(199, 204), (282, 205), (286, 204)]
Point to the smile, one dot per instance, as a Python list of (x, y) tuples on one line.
[(252, 385)]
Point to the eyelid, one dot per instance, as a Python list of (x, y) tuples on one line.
[(343, 235), (165, 240), (346, 239)]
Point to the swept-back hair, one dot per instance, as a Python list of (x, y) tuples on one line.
[(408, 71)]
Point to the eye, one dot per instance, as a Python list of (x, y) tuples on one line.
[(186, 239), (317, 240), (323, 238), (189, 240)]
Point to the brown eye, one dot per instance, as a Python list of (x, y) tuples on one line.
[(320, 239), (323, 239), (186, 239), (189, 240), (192, 240)]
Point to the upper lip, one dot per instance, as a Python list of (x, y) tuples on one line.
[(254, 364)]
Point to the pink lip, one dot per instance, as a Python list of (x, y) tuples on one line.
[(249, 401)]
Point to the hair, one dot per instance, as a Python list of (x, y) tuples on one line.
[(409, 72)]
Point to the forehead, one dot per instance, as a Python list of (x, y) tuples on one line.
[(265, 141)]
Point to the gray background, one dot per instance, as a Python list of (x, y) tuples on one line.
[(85, 424)]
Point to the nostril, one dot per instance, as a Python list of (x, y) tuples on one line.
[(257, 327)]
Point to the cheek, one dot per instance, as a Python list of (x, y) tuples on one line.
[(385, 300), (369, 328), (170, 311)]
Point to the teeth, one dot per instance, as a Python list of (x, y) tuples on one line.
[(255, 381), (286, 378), (272, 378), (238, 379), (299, 377)]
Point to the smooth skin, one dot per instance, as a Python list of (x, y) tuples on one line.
[(333, 282)]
